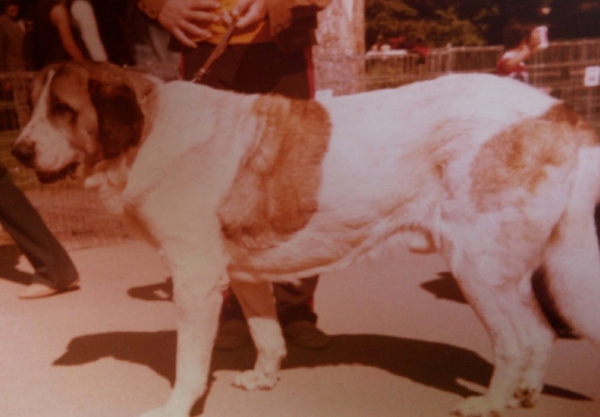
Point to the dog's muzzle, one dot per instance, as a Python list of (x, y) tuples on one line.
[(24, 152)]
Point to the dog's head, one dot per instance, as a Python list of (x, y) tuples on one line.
[(83, 113)]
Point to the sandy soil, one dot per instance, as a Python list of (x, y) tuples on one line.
[(403, 345)]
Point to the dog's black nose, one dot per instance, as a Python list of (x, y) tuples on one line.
[(24, 152)]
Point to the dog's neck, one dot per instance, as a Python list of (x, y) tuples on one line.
[(145, 88), (109, 178)]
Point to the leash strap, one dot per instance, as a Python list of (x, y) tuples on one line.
[(216, 53)]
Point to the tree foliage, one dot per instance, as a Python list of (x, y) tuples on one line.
[(434, 22)]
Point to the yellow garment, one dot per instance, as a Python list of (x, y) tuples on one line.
[(256, 33)]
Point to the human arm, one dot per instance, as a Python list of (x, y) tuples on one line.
[(84, 16), (186, 20), (513, 61), (59, 15)]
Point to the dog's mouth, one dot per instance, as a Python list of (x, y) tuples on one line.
[(49, 177)]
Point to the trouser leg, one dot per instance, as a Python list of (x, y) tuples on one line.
[(22, 221), (293, 302)]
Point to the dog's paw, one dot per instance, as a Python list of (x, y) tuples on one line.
[(530, 388), (476, 407), (255, 380), (525, 397)]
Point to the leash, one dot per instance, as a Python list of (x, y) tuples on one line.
[(216, 53)]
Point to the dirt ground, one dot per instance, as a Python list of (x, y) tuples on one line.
[(404, 345)]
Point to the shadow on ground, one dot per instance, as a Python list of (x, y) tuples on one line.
[(436, 365)]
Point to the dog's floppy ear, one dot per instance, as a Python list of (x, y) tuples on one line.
[(120, 118)]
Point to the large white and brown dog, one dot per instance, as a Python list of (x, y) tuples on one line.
[(243, 190)]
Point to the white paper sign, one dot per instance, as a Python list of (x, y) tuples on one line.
[(591, 77)]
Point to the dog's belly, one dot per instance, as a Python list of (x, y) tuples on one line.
[(335, 238)]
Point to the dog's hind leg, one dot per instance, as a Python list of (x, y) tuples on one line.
[(521, 337), (258, 305)]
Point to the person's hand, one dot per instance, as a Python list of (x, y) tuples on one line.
[(248, 12), (188, 20), (539, 38)]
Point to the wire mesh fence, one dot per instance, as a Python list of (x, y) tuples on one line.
[(75, 215), (559, 69), (79, 219)]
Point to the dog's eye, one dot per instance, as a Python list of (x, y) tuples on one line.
[(64, 111)]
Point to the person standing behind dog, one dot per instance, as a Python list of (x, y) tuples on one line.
[(268, 53)]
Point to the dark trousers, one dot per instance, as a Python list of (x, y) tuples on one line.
[(261, 68), (255, 68), (24, 224)]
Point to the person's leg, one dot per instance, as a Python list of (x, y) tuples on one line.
[(295, 302), (296, 313), (54, 269)]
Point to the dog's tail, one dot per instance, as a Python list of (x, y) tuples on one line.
[(572, 258)]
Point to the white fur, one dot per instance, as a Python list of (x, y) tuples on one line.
[(398, 170)]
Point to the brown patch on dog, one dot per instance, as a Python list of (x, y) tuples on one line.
[(104, 103), (560, 113), (275, 190), (519, 156)]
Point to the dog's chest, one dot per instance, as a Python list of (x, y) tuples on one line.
[(110, 180)]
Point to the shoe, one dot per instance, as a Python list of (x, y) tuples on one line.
[(41, 288), (306, 334), (233, 335)]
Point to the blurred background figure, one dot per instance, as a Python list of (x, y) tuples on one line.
[(13, 58), (12, 35), (520, 43), (53, 38), (381, 44)]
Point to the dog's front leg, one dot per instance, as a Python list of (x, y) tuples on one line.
[(199, 282), (258, 304)]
